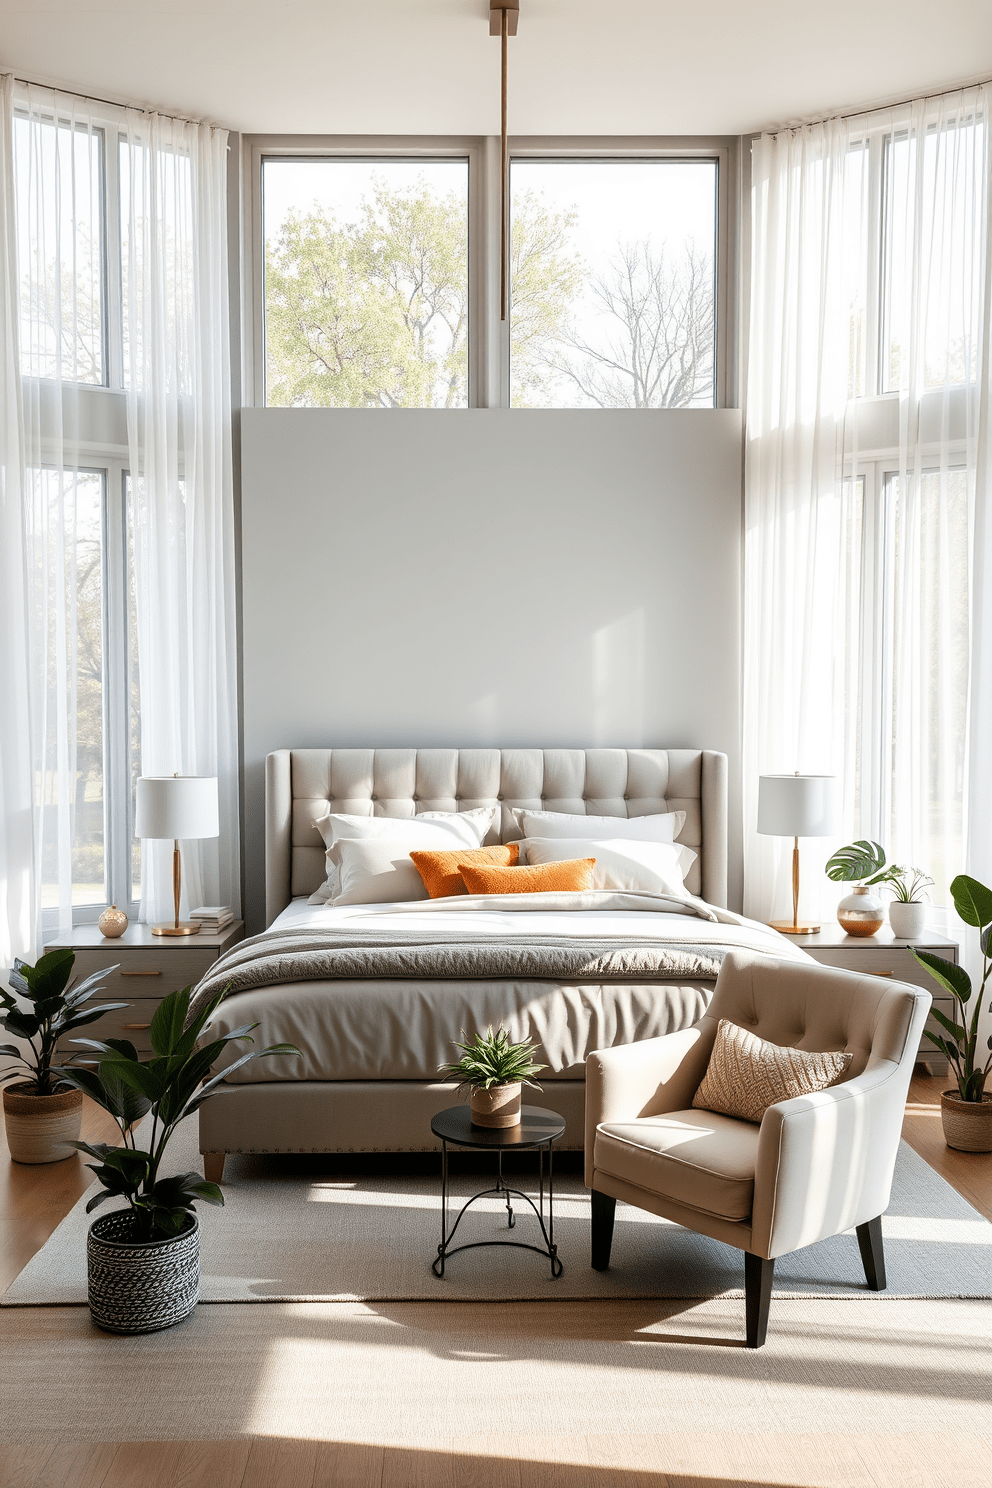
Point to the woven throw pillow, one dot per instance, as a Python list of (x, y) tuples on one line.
[(746, 1074), (440, 870), (570, 877)]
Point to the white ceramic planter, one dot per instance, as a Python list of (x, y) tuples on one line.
[(908, 921)]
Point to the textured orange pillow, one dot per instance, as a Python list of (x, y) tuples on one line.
[(571, 876), (439, 870)]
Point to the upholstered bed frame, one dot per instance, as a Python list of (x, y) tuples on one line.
[(302, 785)]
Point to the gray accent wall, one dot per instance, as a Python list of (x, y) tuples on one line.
[(489, 577)]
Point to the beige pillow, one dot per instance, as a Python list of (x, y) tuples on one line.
[(746, 1074), (375, 870)]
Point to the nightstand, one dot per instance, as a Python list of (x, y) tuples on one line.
[(149, 967), (886, 955)]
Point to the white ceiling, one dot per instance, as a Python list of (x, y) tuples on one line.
[(430, 67)]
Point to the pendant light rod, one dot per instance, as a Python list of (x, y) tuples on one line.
[(503, 18)]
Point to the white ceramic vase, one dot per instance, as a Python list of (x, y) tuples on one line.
[(862, 912), (908, 921)]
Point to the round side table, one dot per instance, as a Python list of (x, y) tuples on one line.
[(537, 1130)]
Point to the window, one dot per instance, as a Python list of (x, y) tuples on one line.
[(67, 174), (366, 283), (613, 287), (376, 271)]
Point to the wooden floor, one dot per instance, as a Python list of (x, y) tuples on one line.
[(34, 1199)]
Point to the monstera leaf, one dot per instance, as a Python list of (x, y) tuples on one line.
[(853, 863)]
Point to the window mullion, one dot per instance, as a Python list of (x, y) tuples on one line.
[(115, 335), (117, 764)]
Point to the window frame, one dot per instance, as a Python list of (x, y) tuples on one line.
[(102, 449), (489, 344)]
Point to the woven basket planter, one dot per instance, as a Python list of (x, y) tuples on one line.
[(967, 1124), (499, 1106), (143, 1286), (40, 1127)]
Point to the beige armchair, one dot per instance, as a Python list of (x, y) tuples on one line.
[(815, 1166)]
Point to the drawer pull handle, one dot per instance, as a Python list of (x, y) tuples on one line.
[(136, 1025), (140, 973)]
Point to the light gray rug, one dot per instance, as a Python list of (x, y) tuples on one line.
[(287, 1235)]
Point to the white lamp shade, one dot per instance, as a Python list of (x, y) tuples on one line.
[(796, 805), (178, 806)]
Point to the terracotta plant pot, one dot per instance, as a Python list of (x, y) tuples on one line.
[(498, 1106), (967, 1124), (40, 1127), (861, 912), (908, 920)]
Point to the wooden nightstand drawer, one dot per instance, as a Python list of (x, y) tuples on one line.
[(144, 973), (894, 962)]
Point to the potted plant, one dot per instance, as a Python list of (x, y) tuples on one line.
[(966, 1114), (494, 1070), (908, 912), (43, 1112), (861, 863), (144, 1259)]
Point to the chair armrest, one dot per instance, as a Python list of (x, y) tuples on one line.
[(645, 1078), (825, 1161)]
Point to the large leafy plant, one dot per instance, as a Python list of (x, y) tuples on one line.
[(50, 1014), (492, 1059), (973, 902), (172, 1085)]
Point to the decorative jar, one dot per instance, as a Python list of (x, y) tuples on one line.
[(861, 912), (112, 922)]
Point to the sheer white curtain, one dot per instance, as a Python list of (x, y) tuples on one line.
[(51, 724), (867, 631), (173, 188)]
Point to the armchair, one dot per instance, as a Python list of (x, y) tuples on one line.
[(815, 1166)]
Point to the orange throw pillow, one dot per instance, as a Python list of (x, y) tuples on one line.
[(572, 876), (439, 870)]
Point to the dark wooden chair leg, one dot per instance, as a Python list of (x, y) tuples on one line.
[(604, 1211), (872, 1254), (757, 1296), (213, 1166)]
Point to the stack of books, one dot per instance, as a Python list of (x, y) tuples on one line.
[(212, 917)]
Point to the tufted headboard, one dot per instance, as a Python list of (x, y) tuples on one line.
[(304, 784)]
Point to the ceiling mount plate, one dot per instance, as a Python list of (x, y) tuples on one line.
[(496, 8)]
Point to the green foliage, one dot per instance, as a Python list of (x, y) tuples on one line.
[(973, 902), (854, 864), (546, 276), (172, 1085), (52, 1012), (491, 1059), (909, 885), (374, 313)]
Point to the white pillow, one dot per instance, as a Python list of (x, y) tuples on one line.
[(665, 826), (622, 865), (375, 870), (427, 829)]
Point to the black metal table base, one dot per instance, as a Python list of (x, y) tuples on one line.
[(549, 1249)]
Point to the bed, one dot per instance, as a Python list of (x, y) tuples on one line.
[(375, 995)]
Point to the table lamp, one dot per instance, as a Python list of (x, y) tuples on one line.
[(176, 806), (796, 806)]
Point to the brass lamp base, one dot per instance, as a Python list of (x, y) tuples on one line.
[(787, 927), (185, 927)]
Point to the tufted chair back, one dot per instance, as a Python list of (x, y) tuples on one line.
[(819, 1008)]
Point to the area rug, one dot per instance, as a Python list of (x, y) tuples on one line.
[(323, 1236)]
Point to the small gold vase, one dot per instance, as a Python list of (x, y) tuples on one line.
[(861, 912), (112, 922)]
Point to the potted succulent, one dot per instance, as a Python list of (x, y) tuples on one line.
[(43, 1111), (144, 1259), (494, 1070), (966, 1114), (908, 912), (863, 864)]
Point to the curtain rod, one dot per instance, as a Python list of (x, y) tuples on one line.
[(111, 102), (881, 108)]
